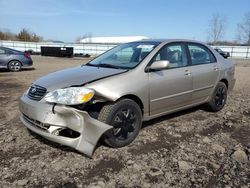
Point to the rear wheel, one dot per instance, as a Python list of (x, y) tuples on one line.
[(126, 118), (14, 66), (218, 98)]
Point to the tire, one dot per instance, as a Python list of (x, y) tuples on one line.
[(14, 66), (126, 117), (218, 98)]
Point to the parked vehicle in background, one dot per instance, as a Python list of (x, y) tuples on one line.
[(221, 52), (57, 51), (110, 96), (14, 60)]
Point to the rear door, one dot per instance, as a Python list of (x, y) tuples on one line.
[(170, 88), (205, 71)]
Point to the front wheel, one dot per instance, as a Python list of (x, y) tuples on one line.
[(218, 98), (126, 117), (14, 66)]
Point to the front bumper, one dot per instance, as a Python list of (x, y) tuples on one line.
[(46, 120)]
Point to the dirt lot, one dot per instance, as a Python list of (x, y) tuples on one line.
[(192, 148)]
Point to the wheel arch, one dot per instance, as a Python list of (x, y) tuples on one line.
[(134, 98), (224, 81)]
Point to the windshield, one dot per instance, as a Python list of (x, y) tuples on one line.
[(125, 56)]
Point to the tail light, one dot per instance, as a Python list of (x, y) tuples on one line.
[(27, 55)]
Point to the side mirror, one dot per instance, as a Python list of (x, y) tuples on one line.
[(159, 65)]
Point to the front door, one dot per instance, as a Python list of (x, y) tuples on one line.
[(171, 88)]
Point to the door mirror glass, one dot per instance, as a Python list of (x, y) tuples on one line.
[(159, 65)]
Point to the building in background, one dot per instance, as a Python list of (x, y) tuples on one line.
[(115, 40)]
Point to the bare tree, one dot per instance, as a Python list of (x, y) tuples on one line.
[(216, 28), (36, 38), (7, 35), (244, 29), (24, 35), (87, 36), (78, 39)]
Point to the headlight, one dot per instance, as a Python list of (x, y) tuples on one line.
[(70, 96)]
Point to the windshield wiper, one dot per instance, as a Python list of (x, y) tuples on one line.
[(108, 66), (92, 65)]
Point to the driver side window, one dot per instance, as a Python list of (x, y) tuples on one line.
[(124, 55), (174, 53)]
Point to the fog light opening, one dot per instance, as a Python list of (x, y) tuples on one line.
[(66, 133)]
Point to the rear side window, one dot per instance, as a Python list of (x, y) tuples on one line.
[(200, 54)]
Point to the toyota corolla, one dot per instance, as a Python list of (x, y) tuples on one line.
[(112, 95)]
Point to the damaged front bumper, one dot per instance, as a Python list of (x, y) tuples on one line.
[(48, 121)]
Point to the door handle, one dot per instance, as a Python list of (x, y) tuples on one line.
[(188, 73), (216, 68)]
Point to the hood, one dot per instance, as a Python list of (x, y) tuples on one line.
[(75, 76)]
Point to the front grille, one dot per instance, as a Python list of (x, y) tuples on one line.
[(36, 123), (36, 92)]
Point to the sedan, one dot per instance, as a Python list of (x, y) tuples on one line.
[(14, 60), (110, 97)]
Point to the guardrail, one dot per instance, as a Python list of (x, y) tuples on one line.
[(99, 48), (236, 51)]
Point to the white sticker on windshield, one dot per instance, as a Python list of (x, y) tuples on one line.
[(147, 46)]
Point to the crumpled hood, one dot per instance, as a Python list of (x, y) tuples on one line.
[(75, 76)]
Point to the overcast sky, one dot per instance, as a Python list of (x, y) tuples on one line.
[(67, 19)]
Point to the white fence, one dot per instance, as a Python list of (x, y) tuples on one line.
[(236, 51), (91, 48), (96, 49)]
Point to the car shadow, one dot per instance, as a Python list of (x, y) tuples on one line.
[(28, 69), (23, 69), (171, 116)]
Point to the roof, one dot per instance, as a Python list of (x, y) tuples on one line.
[(170, 40)]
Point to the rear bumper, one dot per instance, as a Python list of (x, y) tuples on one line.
[(27, 62), (41, 119)]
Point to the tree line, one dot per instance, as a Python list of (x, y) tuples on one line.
[(217, 29), (23, 35)]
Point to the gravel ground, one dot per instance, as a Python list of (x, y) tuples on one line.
[(192, 148)]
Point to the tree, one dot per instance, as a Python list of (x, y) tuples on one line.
[(216, 28), (78, 39), (244, 29), (88, 37), (2, 36), (36, 38), (24, 35), (7, 35)]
